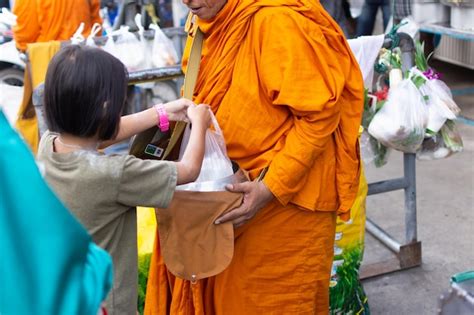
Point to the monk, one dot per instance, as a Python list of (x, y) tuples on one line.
[(288, 95), (45, 20)]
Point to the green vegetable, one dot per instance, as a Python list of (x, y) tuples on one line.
[(348, 296), (143, 268)]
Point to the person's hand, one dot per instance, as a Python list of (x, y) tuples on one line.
[(176, 110), (199, 115), (256, 196)]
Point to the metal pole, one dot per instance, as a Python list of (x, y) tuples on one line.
[(387, 185), (382, 236), (409, 169)]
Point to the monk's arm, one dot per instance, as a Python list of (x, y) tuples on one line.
[(304, 143), (300, 72), (27, 29)]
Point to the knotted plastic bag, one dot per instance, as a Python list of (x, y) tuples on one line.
[(96, 28), (77, 37), (164, 54), (216, 164), (441, 105), (129, 50), (109, 46), (401, 122)]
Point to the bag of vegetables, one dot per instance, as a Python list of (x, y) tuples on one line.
[(401, 122)]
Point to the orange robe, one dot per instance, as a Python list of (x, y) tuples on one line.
[(288, 94), (45, 20)]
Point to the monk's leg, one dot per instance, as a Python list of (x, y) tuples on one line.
[(281, 265)]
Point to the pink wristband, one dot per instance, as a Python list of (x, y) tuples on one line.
[(163, 122)]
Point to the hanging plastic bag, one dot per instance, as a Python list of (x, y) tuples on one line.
[(147, 45), (452, 136), (216, 164), (443, 144), (163, 53), (129, 49), (373, 151), (401, 122), (96, 28), (441, 106), (77, 37), (109, 46)]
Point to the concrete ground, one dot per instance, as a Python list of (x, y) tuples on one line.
[(445, 203)]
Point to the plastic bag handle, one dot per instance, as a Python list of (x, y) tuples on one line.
[(215, 124), (95, 30), (77, 37)]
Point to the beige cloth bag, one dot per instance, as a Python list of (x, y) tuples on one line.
[(193, 247)]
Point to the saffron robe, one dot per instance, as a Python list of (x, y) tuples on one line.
[(288, 94), (45, 20)]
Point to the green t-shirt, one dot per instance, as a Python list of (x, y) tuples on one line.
[(102, 191)]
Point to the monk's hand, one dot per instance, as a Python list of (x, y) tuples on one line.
[(256, 196)]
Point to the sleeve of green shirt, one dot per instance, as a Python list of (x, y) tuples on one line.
[(147, 183)]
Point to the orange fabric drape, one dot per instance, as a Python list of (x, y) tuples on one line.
[(291, 59), (45, 20), (39, 55), (288, 94)]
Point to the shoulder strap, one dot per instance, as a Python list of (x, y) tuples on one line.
[(188, 88)]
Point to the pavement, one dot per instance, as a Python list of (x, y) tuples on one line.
[(445, 211)]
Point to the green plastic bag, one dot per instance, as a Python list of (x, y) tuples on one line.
[(347, 295)]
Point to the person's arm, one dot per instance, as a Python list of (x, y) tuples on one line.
[(190, 165), (135, 123), (27, 29)]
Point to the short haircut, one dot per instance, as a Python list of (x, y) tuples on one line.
[(85, 92)]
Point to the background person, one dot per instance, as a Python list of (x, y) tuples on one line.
[(366, 19), (46, 20)]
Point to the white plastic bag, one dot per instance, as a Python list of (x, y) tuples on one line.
[(129, 49), (109, 46), (77, 37), (401, 122), (441, 105), (147, 45), (445, 143), (96, 28), (216, 164), (163, 53)]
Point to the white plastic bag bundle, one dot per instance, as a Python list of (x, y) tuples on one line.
[(109, 46), (401, 122), (129, 49), (445, 143), (147, 45), (77, 37), (441, 105), (216, 164), (96, 28), (163, 53)]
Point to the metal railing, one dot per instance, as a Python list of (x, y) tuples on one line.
[(409, 252)]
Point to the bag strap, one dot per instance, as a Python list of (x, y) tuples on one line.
[(188, 88)]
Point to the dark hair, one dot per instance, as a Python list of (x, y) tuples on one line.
[(85, 92)]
